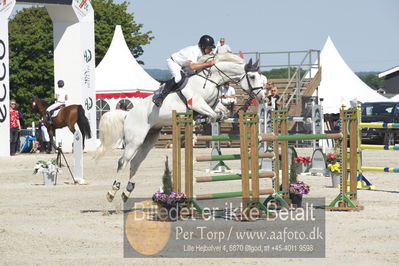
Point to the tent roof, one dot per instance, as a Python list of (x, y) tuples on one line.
[(339, 85), (395, 98), (119, 71), (389, 71)]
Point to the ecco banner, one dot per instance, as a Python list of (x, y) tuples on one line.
[(6, 7)]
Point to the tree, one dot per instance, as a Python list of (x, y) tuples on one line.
[(373, 81), (31, 57), (107, 15), (31, 48)]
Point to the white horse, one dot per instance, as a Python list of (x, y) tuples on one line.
[(143, 123)]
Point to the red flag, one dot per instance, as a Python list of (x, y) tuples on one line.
[(241, 54)]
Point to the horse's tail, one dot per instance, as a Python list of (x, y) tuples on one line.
[(111, 130), (83, 123)]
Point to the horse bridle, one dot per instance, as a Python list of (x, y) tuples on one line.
[(249, 67)]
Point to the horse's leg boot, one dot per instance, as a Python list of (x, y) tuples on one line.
[(129, 188), (115, 187)]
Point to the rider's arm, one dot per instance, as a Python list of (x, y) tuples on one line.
[(56, 96), (66, 97), (198, 66)]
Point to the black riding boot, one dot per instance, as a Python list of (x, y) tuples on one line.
[(161, 94), (48, 117)]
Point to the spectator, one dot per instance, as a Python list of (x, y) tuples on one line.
[(272, 99), (222, 48), (268, 87), (21, 119), (15, 127), (228, 96)]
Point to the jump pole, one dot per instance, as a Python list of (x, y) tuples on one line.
[(362, 181), (347, 200), (176, 156), (184, 120), (248, 123), (279, 118)]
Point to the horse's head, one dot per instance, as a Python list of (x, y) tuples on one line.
[(33, 104), (36, 105), (251, 81), (230, 67)]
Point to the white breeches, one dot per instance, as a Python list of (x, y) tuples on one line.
[(175, 69), (54, 106)]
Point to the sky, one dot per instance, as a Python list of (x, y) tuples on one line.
[(365, 32)]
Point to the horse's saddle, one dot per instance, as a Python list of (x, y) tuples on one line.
[(178, 86), (56, 111)]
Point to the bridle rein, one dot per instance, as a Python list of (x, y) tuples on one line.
[(249, 67)]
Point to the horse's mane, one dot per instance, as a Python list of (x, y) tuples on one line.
[(36, 98), (227, 57)]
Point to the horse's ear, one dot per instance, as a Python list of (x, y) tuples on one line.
[(256, 65), (248, 66)]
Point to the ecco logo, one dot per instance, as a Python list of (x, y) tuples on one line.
[(87, 55), (3, 88)]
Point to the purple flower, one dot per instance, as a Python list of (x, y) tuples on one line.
[(169, 199), (299, 188)]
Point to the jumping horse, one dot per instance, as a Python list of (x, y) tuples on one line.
[(141, 127), (67, 117)]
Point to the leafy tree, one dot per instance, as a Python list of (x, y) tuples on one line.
[(31, 57), (107, 15), (31, 48), (373, 81)]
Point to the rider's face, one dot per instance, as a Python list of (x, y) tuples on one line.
[(207, 50)]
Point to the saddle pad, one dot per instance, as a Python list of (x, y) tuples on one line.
[(56, 112)]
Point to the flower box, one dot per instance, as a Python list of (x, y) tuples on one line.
[(49, 170)]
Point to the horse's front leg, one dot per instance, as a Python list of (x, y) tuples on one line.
[(220, 108), (141, 154), (200, 105), (51, 142)]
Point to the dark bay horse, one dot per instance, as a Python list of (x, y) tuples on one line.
[(66, 117)]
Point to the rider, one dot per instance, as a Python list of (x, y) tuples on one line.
[(60, 97), (186, 57)]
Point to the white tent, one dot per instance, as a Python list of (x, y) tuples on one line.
[(119, 75), (339, 85), (394, 98)]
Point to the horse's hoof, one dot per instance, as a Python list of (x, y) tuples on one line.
[(124, 197), (110, 196)]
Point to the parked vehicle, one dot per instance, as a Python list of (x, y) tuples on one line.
[(387, 112)]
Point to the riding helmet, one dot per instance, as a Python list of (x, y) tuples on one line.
[(60, 83), (206, 41)]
